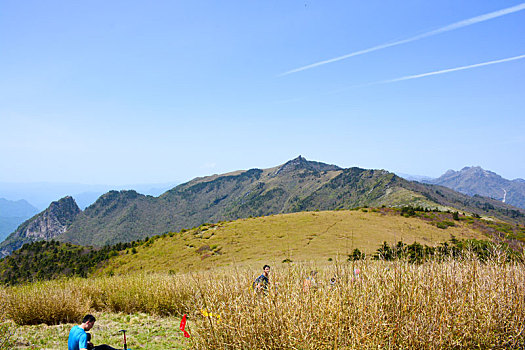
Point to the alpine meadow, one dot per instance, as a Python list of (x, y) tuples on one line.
[(262, 175), (404, 276)]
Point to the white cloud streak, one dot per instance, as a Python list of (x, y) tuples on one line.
[(417, 76), (444, 29), (422, 75)]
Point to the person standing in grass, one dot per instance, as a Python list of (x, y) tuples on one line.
[(80, 340), (310, 283), (262, 282)]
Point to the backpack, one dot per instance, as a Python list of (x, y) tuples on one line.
[(258, 280)]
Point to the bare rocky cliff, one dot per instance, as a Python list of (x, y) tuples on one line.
[(46, 225)]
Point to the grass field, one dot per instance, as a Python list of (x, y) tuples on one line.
[(143, 332), (461, 304), (306, 236)]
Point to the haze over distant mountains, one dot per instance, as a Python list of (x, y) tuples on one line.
[(297, 185), (41, 194), (12, 214), (475, 180), (20, 201)]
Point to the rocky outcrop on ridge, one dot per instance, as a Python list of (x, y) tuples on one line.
[(47, 225)]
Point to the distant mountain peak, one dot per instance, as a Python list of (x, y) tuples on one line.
[(469, 171), (19, 208), (477, 170), (474, 180), (300, 163)]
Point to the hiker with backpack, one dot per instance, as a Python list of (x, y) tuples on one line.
[(262, 282)]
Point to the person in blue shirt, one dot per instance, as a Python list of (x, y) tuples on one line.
[(80, 340)]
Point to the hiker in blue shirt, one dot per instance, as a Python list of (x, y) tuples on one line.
[(80, 340), (261, 283)]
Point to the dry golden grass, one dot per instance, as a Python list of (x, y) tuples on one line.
[(46, 302), (7, 328), (391, 305), (461, 304), (157, 294), (300, 237)]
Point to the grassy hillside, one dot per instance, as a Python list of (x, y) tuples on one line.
[(305, 236), (435, 303)]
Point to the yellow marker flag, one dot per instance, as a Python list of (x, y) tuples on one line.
[(205, 313)]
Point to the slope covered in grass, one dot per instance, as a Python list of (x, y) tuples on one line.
[(305, 236)]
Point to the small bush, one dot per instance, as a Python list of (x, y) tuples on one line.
[(356, 255), (47, 302), (444, 224)]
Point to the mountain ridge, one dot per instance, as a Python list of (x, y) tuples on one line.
[(474, 180), (41, 194), (297, 185)]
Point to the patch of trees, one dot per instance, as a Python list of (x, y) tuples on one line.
[(45, 260), (452, 249)]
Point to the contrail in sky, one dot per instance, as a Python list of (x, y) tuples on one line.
[(444, 29), (417, 76)]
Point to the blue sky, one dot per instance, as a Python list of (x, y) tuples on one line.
[(119, 92)]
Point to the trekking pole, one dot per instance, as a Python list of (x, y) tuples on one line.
[(125, 345)]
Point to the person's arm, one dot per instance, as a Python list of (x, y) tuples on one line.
[(82, 342)]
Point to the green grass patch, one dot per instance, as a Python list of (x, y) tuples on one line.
[(143, 332)]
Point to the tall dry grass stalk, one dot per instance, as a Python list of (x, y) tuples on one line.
[(7, 328), (392, 305), (157, 294), (50, 302)]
